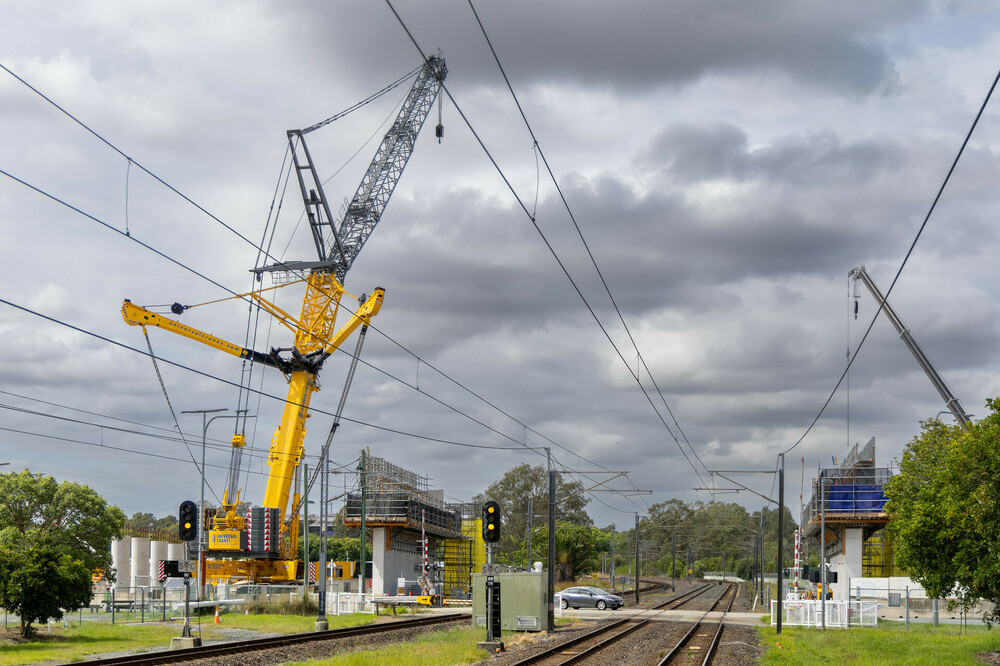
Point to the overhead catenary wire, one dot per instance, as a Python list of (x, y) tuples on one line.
[(208, 375), (538, 229), (555, 181)]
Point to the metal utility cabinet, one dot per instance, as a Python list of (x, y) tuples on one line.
[(523, 602)]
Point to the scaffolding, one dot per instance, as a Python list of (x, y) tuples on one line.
[(398, 498), (878, 557), (463, 557)]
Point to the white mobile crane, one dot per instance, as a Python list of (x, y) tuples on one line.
[(257, 555), (860, 274)]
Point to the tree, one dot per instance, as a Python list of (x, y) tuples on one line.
[(944, 509), (575, 549), (513, 492), (52, 536), (39, 582)]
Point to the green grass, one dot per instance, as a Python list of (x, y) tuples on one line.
[(438, 648), (76, 642), (889, 644), (283, 624)]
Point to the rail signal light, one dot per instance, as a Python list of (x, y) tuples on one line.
[(491, 522), (187, 519)]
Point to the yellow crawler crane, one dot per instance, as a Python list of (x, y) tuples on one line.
[(337, 245), (315, 340)]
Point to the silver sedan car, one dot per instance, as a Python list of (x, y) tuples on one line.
[(590, 597)]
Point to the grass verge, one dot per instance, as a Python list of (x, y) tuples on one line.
[(76, 643), (889, 644), (437, 648)]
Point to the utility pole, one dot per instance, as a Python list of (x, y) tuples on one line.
[(201, 505), (673, 562), (364, 490), (822, 548), (527, 556), (612, 557), (781, 535), (637, 558), (324, 492), (552, 540), (760, 552), (305, 532)]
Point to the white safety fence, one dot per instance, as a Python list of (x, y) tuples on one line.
[(343, 603), (809, 613)]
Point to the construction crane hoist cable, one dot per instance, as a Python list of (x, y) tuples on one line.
[(254, 553)]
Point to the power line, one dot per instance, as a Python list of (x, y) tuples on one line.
[(590, 254), (129, 158), (541, 234), (264, 393)]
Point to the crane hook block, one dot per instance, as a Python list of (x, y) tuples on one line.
[(439, 132), (177, 308)]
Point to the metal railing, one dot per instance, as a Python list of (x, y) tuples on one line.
[(809, 613)]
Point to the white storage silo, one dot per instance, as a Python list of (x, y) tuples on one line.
[(140, 562), (175, 551), (157, 552), (120, 550)]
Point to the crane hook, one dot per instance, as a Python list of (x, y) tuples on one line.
[(439, 130)]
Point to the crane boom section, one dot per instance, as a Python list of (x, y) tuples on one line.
[(950, 400), (287, 444), (366, 206), (136, 315), (338, 244)]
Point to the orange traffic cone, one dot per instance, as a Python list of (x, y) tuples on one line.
[(217, 615)]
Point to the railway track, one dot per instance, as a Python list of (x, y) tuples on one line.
[(257, 645), (703, 637), (581, 647)]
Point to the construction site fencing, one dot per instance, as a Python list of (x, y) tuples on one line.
[(810, 612)]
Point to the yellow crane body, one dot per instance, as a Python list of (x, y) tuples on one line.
[(315, 339)]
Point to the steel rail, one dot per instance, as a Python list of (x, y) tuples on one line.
[(715, 638), (636, 623), (260, 644)]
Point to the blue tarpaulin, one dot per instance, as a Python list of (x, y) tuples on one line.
[(850, 498)]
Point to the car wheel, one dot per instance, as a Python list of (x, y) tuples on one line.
[(564, 604), (601, 605)]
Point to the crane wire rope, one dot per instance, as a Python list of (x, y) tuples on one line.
[(545, 240), (173, 414), (906, 258), (540, 153)]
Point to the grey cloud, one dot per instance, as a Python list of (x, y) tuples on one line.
[(633, 45)]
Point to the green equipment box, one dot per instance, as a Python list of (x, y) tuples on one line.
[(523, 600)]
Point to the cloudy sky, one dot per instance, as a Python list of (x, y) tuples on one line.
[(727, 163)]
